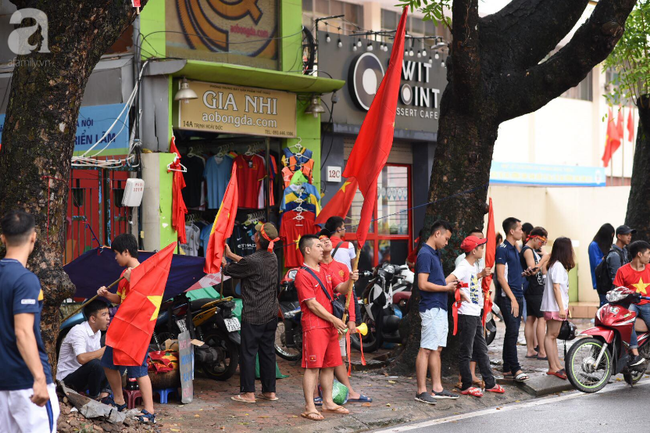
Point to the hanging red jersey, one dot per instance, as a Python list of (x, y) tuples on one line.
[(291, 230), (250, 177)]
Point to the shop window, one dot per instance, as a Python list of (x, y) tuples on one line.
[(389, 237), (313, 9), (307, 6)]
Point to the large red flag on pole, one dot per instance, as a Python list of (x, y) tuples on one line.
[(630, 126), (223, 225), (178, 203), (613, 140), (490, 257), (375, 139), (340, 203), (130, 332)]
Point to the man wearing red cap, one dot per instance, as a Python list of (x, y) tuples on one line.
[(470, 327), (259, 279)]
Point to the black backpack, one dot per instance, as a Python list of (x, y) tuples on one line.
[(603, 279)]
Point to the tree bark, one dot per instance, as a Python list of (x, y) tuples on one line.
[(638, 204), (495, 74), (40, 127)]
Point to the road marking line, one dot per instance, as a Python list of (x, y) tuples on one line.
[(501, 409)]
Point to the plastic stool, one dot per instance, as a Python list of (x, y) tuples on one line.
[(164, 393), (131, 397)]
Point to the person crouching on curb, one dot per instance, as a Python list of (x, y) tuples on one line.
[(470, 325), (321, 352)]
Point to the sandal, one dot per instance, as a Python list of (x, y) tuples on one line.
[(240, 399), (362, 399), (521, 377), (559, 374), (318, 401), (497, 389), (472, 391), (263, 397), (146, 418), (312, 416), (532, 356), (339, 410), (109, 401)]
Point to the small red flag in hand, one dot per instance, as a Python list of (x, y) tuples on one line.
[(490, 257), (223, 225), (132, 327)]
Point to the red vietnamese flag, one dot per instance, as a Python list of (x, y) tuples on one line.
[(613, 140), (490, 257), (224, 222), (130, 332), (375, 139), (178, 203), (630, 126), (340, 203), (620, 128)]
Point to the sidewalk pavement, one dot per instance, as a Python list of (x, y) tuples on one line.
[(393, 401)]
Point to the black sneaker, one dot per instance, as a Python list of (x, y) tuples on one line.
[(425, 397), (636, 361), (444, 394)]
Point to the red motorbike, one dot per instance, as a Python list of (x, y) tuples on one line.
[(605, 352)]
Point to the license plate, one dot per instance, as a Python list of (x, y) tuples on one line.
[(232, 324)]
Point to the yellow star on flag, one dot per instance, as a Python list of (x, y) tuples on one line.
[(156, 301), (346, 183), (641, 287), (298, 241)]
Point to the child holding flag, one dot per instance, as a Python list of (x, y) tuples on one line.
[(125, 247), (470, 327)]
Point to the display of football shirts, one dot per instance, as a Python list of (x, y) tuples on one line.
[(241, 241), (250, 177), (301, 195), (291, 230), (306, 169), (191, 248), (217, 174)]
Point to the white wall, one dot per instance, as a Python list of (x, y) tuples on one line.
[(576, 213)]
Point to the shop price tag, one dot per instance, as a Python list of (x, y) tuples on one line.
[(333, 173)]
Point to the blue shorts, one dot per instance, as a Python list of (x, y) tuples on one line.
[(139, 371)]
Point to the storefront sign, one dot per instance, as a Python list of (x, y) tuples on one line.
[(92, 124), (238, 110), (333, 173), (423, 81), (243, 32), (540, 174)]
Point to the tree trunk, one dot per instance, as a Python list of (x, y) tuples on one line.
[(638, 204), (40, 127)]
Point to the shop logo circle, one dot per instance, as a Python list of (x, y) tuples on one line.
[(406, 94), (365, 77)]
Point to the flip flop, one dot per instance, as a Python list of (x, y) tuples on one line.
[(498, 389), (339, 410), (362, 399), (472, 391), (532, 356), (542, 359), (521, 377), (263, 397), (241, 400), (312, 416), (559, 374)]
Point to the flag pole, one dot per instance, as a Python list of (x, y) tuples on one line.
[(91, 299), (348, 297)]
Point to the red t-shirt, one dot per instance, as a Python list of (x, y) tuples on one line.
[(250, 174), (340, 274), (635, 280), (123, 287), (309, 288), (291, 230)]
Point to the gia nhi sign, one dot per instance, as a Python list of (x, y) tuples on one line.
[(238, 110)]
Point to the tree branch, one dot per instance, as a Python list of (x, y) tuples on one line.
[(529, 29), (590, 45), (465, 67)]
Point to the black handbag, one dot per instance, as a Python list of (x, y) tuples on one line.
[(567, 331), (338, 310)]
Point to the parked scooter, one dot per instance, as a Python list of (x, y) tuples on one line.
[(384, 302), (592, 361), (208, 320), (288, 334)]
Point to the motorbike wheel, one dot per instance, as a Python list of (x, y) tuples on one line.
[(226, 365), (490, 331), (284, 352), (580, 366), (371, 341)]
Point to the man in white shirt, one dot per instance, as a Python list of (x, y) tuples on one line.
[(81, 352)]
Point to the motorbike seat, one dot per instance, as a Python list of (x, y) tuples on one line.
[(401, 296), (198, 303)]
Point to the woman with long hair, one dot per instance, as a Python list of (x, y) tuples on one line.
[(555, 301), (598, 248)]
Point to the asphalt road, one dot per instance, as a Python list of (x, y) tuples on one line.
[(617, 408)]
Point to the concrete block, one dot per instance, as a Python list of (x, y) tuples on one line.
[(538, 386)]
